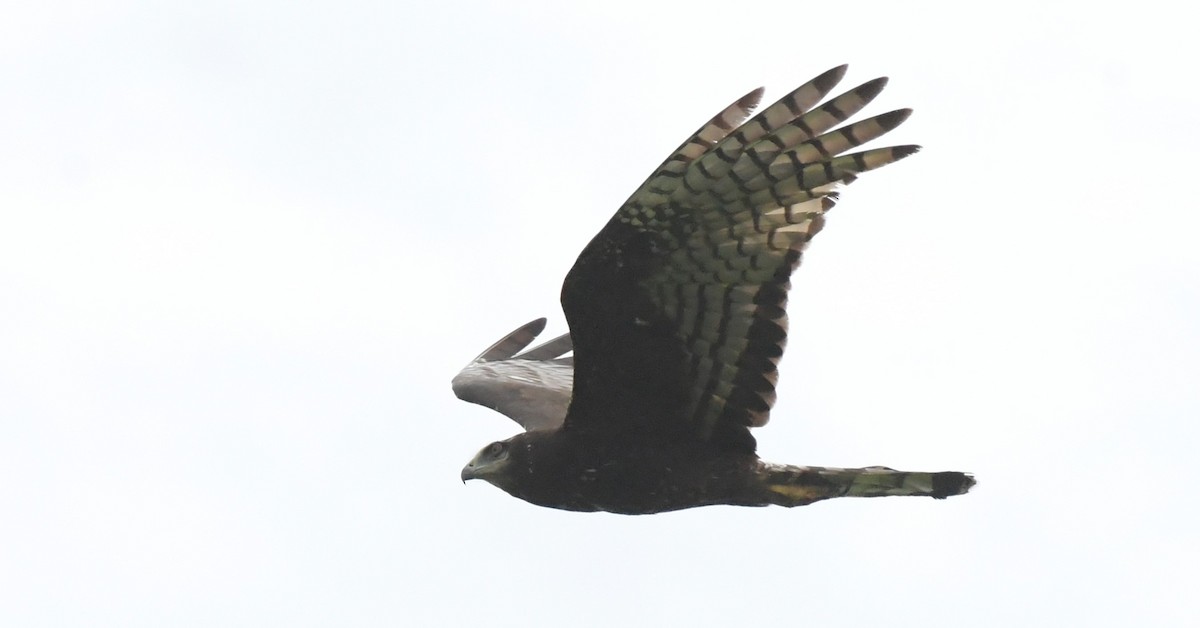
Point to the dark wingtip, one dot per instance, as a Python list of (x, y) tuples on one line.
[(750, 101), (900, 152), (827, 79), (893, 119), (872, 88)]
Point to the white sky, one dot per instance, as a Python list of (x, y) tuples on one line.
[(243, 249)]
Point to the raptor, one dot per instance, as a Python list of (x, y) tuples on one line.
[(677, 317)]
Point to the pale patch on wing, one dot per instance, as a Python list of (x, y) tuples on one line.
[(532, 388)]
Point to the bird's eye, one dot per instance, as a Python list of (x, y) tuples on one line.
[(495, 449)]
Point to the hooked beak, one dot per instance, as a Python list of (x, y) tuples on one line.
[(468, 472)]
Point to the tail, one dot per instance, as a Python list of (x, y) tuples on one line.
[(787, 485)]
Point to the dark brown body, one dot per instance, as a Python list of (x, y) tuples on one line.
[(558, 470)]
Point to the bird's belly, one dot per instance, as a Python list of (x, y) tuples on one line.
[(636, 487)]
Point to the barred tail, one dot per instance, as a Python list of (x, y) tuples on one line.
[(787, 485)]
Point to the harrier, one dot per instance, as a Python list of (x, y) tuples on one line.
[(677, 324)]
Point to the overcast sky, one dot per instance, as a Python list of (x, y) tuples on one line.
[(245, 246)]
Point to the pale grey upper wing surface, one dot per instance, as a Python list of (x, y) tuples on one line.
[(532, 388)]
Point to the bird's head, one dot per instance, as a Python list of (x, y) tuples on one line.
[(520, 466), (491, 463)]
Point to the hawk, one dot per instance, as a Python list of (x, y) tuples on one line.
[(677, 316)]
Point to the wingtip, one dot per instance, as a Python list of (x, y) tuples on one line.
[(872, 88), (513, 342), (750, 101), (893, 119), (826, 80)]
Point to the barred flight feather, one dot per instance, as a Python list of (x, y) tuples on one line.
[(717, 230)]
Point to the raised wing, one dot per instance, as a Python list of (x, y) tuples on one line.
[(532, 388), (676, 307)]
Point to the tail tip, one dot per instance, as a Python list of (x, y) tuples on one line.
[(949, 483)]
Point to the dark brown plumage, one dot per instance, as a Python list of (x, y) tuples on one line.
[(677, 312)]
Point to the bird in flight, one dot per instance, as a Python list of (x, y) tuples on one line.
[(677, 316)]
